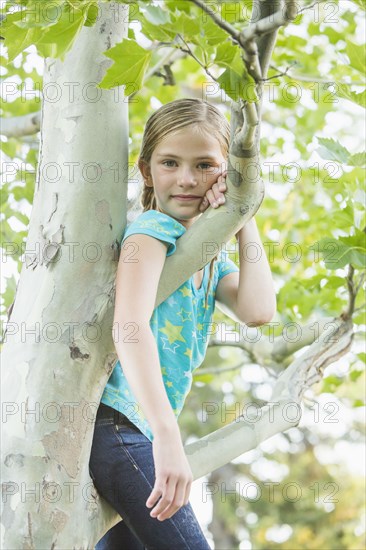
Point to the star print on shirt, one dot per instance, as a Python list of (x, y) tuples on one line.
[(165, 346), (188, 352), (171, 301), (186, 292), (173, 332), (187, 317), (154, 225), (169, 384)]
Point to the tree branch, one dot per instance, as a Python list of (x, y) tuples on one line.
[(218, 20), (269, 24), (18, 126), (189, 52), (275, 350), (282, 412)]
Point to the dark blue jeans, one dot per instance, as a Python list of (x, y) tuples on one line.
[(122, 468)]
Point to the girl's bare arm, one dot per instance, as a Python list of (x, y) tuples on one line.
[(138, 274)]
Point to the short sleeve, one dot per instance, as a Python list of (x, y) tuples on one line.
[(225, 265), (158, 225)]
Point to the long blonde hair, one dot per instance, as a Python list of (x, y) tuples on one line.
[(171, 117)]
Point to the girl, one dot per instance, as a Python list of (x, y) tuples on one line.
[(137, 459)]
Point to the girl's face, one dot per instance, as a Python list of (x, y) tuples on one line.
[(183, 167)]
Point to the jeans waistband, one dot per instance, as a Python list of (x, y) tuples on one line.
[(104, 411)]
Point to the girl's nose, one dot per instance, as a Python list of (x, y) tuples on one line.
[(186, 177)]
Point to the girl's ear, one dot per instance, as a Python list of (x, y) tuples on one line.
[(145, 172)]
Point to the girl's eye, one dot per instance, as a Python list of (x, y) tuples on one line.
[(165, 161), (206, 165)]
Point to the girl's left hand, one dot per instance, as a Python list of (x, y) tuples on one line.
[(215, 196)]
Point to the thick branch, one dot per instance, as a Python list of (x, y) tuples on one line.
[(279, 414), (269, 24), (18, 126), (275, 350)]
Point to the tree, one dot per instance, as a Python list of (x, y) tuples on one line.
[(42, 461)]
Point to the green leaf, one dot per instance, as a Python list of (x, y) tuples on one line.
[(344, 218), (155, 32), (360, 3), (155, 15), (63, 35), (213, 34), (18, 39), (340, 252), (343, 91), (332, 150), (358, 403), (130, 63), (185, 25), (357, 56), (235, 81), (8, 295), (40, 14), (331, 383), (92, 15), (181, 5), (358, 159), (355, 374)]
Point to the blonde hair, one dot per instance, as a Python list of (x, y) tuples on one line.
[(171, 117)]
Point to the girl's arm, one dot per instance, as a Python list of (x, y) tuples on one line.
[(249, 294), (137, 281)]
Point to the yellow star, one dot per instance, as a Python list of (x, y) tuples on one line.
[(169, 384), (200, 326), (163, 370), (188, 352), (185, 291), (173, 332)]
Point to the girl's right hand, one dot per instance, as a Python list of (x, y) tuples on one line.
[(173, 476)]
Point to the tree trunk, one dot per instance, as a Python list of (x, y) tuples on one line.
[(57, 355)]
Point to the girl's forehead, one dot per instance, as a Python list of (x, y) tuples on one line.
[(189, 137)]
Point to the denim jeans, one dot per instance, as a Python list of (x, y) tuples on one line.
[(122, 468)]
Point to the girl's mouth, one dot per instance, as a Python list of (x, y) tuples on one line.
[(186, 197)]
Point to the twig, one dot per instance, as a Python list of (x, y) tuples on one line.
[(189, 51), (359, 308), (312, 5), (351, 291), (359, 284), (213, 370), (219, 21), (281, 73), (247, 37), (304, 78)]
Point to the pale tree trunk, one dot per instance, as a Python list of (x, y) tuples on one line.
[(52, 384), (57, 355)]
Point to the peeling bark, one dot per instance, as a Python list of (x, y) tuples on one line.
[(58, 343)]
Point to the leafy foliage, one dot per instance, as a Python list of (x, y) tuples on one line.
[(312, 219)]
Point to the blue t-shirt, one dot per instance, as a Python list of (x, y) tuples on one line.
[(181, 326)]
